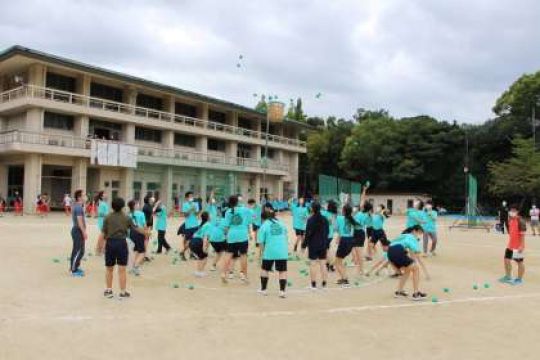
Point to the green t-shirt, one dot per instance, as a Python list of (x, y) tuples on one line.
[(331, 221), (300, 216), (212, 210), (238, 220), (377, 221), (344, 227), (217, 233), (190, 210), (161, 218), (116, 225), (203, 231), (408, 241), (273, 236), (431, 221), (361, 219), (256, 215), (102, 211)]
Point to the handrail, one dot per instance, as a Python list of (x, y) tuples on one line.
[(34, 91), (73, 142)]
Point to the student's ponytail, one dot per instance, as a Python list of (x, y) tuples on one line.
[(347, 212), (204, 218), (413, 228), (233, 202)]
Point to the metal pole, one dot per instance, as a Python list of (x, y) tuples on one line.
[(534, 126), (266, 157)]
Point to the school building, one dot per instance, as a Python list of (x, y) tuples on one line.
[(397, 203), (66, 125)]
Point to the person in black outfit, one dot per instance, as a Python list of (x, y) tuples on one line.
[(503, 216), (148, 210), (316, 241)]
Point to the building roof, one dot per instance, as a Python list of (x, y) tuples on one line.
[(395, 193), (42, 56)]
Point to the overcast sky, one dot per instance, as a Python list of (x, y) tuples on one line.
[(447, 59)]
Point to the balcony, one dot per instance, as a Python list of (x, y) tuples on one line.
[(26, 141), (186, 123)]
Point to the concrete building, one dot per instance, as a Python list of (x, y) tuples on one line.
[(51, 106), (397, 203)]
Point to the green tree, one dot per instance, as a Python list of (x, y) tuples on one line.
[(261, 105), (298, 111)]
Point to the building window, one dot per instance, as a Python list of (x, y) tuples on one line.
[(410, 203), (60, 82), (106, 92), (271, 153), (185, 110), (245, 123), (244, 151), (184, 140), (58, 121), (217, 116), (145, 134), (216, 145), (150, 102)]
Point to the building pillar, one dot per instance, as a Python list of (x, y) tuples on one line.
[(279, 192), (126, 184), (34, 120), (293, 172), (232, 183), (202, 111), (166, 187), (257, 192), (83, 84), (128, 133), (81, 127), (4, 180), (232, 118), (130, 97), (168, 139), (32, 181), (231, 149), (78, 175), (201, 145), (37, 74), (203, 184)]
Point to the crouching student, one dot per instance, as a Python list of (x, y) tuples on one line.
[(274, 244), (315, 241), (403, 254), (199, 244), (116, 227)]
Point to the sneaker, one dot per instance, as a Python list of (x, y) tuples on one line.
[(282, 294), (517, 281), (231, 275), (108, 294), (418, 296), (345, 284), (401, 295), (135, 271), (192, 257), (125, 295), (199, 274), (224, 279), (262, 292), (77, 273), (213, 268), (312, 288), (147, 259), (339, 281), (505, 280), (244, 278)]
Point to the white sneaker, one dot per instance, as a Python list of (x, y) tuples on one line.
[(213, 268), (262, 292), (231, 276), (199, 274), (282, 294)]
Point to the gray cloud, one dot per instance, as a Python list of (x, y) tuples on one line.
[(450, 60)]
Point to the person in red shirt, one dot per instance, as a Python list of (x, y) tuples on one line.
[(516, 246)]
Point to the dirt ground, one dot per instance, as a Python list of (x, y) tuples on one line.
[(46, 314)]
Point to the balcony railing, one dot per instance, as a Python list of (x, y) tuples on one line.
[(72, 142), (31, 91)]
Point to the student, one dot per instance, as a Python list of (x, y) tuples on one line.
[(503, 217), (430, 229), (359, 237), (256, 219), (161, 227), (237, 222), (316, 241), (176, 207), (217, 240), (191, 210), (535, 220), (403, 255), (199, 243), (212, 209), (18, 204), (330, 214), (369, 227), (2, 206), (377, 221), (39, 206), (136, 237), (274, 245), (516, 245), (415, 215), (78, 234), (102, 211), (345, 224), (300, 214), (115, 230), (67, 204), (148, 210)]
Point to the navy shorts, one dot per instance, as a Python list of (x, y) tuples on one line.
[(196, 248), (299, 232), (369, 232), (359, 238), (188, 233), (398, 256), (219, 247), (116, 252), (329, 242), (345, 247), (379, 235), (138, 241), (281, 265), (317, 253), (237, 249)]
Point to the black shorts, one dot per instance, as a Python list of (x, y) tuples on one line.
[(281, 265), (138, 241), (369, 232), (196, 248), (329, 243), (188, 233), (345, 247), (255, 227), (219, 247), (300, 232), (116, 252), (398, 256), (359, 238), (237, 249), (509, 254), (379, 235), (317, 253)]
